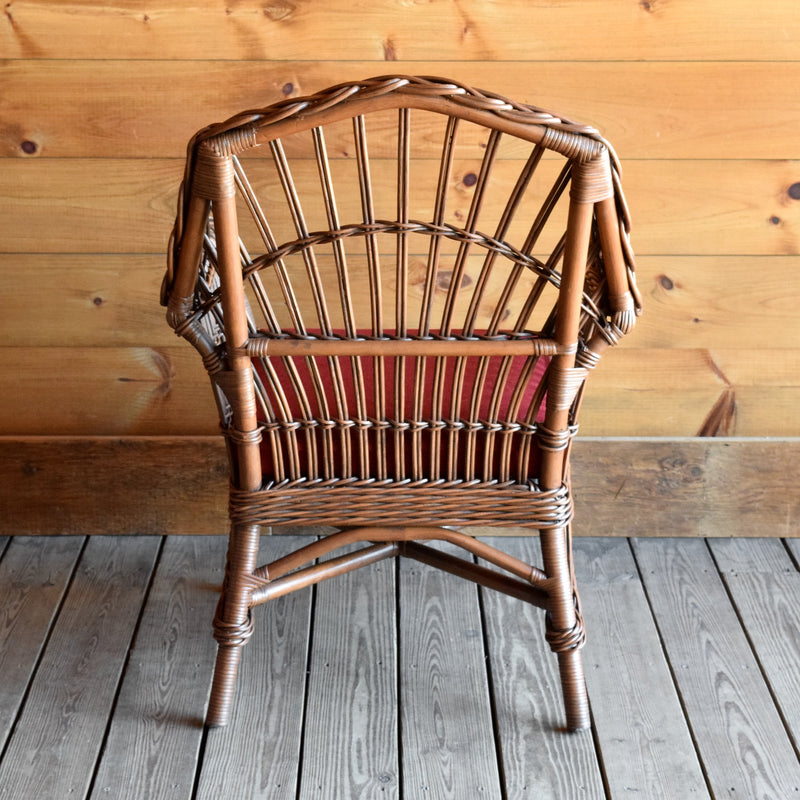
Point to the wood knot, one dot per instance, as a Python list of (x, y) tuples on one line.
[(389, 51)]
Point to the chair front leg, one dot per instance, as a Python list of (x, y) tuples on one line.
[(564, 625), (233, 622)]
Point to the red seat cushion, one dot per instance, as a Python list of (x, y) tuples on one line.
[(441, 433)]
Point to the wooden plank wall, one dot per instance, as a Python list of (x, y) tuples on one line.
[(97, 101)]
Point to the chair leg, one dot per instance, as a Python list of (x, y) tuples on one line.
[(573, 687), (233, 623), (223, 686), (564, 626)]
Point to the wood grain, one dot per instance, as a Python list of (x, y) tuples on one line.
[(54, 105), (647, 742), (538, 760), (694, 487), (92, 300), (793, 546), (680, 207), (765, 586), (98, 486), (736, 556), (84, 300), (623, 487), (699, 99), (34, 575), (668, 393), (154, 740), (390, 31), (719, 302), (60, 731), (446, 718), (351, 734), (153, 391), (258, 754), (107, 390), (740, 737)]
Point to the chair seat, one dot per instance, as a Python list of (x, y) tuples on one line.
[(350, 503)]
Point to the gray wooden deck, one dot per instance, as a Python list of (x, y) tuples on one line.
[(397, 681)]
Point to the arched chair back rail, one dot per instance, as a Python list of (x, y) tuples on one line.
[(398, 287)]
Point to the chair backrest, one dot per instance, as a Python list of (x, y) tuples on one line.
[(420, 275)]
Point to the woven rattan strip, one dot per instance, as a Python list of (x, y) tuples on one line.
[(358, 503)]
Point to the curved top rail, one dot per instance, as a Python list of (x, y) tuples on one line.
[(247, 129), (394, 91)]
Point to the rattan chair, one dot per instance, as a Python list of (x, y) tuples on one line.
[(384, 365)]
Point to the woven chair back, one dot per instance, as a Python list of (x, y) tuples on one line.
[(402, 243)]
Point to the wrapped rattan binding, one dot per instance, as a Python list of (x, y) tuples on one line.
[(399, 366)]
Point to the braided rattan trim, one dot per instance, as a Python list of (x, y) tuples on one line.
[(566, 137), (396, 228), (520, 428), (354, 503)]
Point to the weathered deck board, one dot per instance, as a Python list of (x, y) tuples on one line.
[(765, 587), (538, 759), (58, 736), (693, 672), (350, 745), (33, 578), (448, 745), (154, 739), (793, 545), (258, 754), (740, 736), (647, 742)]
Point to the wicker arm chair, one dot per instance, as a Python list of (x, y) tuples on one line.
[(380, 364)]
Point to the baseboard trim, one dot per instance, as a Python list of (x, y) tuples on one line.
[(623, 487)]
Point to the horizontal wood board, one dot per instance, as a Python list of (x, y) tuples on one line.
[(93, 299), (389, 30), (709, 207), (624, 106), (164, 391), (642, 487)]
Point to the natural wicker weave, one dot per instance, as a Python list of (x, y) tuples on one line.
[(381, 364)]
